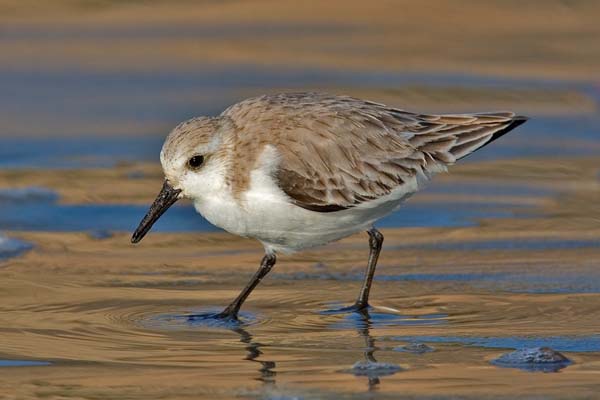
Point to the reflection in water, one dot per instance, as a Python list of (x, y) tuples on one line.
[(267, 375), (370, 368), (370, 348), (104, 325), (208, 319)]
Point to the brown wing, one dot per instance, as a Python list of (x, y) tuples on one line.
[(338, 152)]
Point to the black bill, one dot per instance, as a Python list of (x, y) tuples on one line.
[(165, 199)]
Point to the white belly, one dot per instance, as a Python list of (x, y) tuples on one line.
[(284, 227), (265, 213)]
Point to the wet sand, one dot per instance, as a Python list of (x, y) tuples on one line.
[(111, 318), (138, 183), (550, 39), (503, 253), (106, 68)]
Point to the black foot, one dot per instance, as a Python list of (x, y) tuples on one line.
[(217, 317), (227, 316), (357, 307)]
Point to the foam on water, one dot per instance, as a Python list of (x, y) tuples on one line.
[(11, 247), (416, 348), (537, 359), (374, 369)]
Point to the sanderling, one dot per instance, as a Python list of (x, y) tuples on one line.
[(299, 170)]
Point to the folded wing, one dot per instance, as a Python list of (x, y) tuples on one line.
[(342, 152)]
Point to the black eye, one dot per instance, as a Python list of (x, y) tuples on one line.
[(196, 161)]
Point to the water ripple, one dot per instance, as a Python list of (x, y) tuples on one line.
[(10, 247)]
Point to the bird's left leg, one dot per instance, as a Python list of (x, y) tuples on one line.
[(231, 312), (375, 243)]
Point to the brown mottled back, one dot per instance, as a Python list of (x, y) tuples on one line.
[(337, 151)]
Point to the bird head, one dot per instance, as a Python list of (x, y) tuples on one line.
[(189, 157)]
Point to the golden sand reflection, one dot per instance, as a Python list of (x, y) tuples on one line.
[(111, 319)]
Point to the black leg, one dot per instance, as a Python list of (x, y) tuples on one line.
[(370, 348), (375, 242), (232, 310)]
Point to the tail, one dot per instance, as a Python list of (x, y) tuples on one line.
[(512, 124), (449, 138)]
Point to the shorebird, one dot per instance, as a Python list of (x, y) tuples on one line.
[(299, 170)]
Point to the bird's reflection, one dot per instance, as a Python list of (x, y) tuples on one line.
[(267, 375), (370, 367), (364, 330)]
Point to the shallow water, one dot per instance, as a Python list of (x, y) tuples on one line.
[(501, 254), (151, 104), (130, 320), (37, 209)]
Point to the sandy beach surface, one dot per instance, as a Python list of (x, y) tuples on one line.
[(501, 254)]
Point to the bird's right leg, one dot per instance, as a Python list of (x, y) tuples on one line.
[(362, 301), (232, 310), (375, 243)]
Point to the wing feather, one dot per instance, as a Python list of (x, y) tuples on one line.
[(338, 152)]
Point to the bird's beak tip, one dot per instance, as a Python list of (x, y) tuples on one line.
[(165, 199)]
